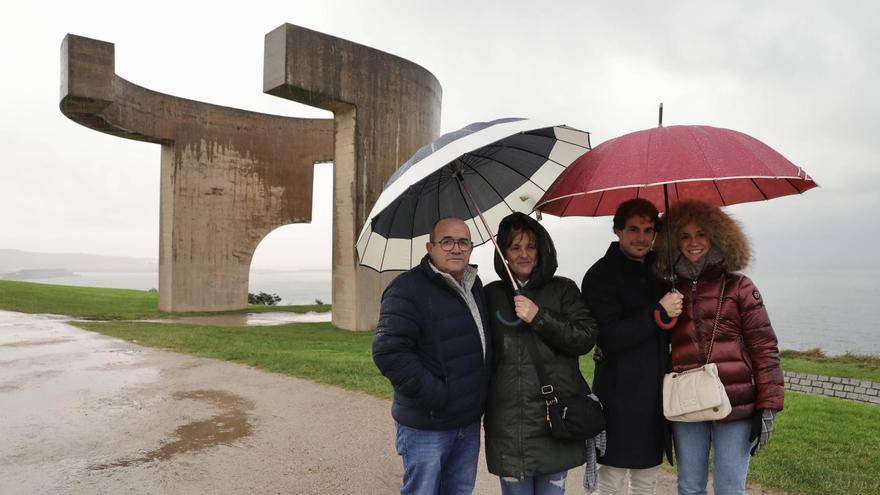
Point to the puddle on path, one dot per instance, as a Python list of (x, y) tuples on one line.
[(223, 429), (250, 319)]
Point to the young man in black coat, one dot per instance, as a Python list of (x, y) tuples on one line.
[(633, 309)]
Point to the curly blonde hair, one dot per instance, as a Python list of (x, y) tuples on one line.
[(723, 231)]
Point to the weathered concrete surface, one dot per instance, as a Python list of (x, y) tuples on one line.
[(81, 413), (228, 176), (385, 109)]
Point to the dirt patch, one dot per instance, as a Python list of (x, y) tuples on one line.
[(231, 425)]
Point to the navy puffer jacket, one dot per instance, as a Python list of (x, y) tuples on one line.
[(428, 345)]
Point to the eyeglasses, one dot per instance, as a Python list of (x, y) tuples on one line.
[(448, 243)]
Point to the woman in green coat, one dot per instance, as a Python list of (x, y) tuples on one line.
[(548, 309)]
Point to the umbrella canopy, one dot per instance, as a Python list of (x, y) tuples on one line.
[(719, 166), (495, 167)]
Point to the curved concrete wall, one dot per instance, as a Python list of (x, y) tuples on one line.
[(385, 108)]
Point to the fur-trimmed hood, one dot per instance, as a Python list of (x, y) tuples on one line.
[(724, 233)]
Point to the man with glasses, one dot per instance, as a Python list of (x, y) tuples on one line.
[(432, 343)]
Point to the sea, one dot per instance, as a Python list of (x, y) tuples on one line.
[(833, 310)]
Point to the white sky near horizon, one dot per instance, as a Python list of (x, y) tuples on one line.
[(802, 76)]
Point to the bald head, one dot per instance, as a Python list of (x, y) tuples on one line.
[(444, 224)]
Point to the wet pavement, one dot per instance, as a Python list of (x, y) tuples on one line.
[(81, 413)]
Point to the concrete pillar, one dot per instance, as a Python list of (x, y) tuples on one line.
[(229, 177), (385, 108)]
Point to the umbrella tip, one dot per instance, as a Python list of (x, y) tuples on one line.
[(660, 118)]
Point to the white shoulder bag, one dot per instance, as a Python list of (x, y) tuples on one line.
[(697, 394)]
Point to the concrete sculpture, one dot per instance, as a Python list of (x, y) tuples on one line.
[(229, 176)]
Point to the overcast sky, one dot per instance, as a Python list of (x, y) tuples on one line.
[(802, 76)]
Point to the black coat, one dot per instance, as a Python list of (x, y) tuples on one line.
[(518, 440), (623, 294), (428, 346)]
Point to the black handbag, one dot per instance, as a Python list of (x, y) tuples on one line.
[(574, 418)]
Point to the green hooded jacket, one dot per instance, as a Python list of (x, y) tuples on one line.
[(518, 440)]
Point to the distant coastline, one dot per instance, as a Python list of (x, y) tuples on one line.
[(14, 261), (38, 273)]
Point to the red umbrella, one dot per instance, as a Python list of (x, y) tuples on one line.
[(663, 164), (719, 166)]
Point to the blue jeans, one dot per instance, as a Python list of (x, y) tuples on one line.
[(730, 445), (544, 484), (439, 462)]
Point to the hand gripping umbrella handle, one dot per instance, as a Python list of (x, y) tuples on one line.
[(516, 321), (513, 282)]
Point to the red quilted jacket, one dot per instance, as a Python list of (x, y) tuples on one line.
[(745, 348)]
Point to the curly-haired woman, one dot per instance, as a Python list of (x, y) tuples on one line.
[(711, 249)]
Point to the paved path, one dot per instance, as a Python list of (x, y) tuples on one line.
[(81, 413)]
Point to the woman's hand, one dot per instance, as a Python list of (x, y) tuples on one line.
[(672, 302), (525, 309), (762, 429)]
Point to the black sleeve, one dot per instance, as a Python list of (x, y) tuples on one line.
[(618, 331)]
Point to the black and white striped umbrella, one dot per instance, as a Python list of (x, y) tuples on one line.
[(505, 165)]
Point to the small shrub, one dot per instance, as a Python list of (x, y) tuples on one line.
[(318, 301), (814, 353), (867, 361), (863, 360), (264, 299)]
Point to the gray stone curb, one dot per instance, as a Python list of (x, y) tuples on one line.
[(834, 386)]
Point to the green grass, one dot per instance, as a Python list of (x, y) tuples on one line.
[(103, 304), (822, 445), (83, 302), (846, 366), (316, 351), (587, 366)]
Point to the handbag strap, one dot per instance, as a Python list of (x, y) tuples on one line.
[(547, 391), (717, 317)]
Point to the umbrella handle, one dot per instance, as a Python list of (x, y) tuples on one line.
[(470, 197), (515, 323)]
